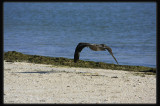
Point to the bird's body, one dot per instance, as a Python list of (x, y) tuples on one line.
[(94, 47)]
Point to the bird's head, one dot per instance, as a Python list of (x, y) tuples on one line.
[(106, 47)]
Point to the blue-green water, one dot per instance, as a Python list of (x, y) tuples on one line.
[(54, 29)]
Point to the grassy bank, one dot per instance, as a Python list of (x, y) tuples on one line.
[(12, 56)]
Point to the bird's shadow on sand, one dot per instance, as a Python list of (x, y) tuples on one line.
[(38, 72)]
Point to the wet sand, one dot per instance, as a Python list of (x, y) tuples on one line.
[(39, 83)]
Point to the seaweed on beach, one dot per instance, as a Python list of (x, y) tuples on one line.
[(12, 56)]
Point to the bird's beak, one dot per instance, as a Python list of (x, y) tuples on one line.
[(113, 57)]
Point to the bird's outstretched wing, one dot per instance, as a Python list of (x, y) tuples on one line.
[(78, 49), (113, 57), (110, 51)]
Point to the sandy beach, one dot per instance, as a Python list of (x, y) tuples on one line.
[(40, 83)]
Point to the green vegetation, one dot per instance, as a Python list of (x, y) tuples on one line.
[(12, 56)]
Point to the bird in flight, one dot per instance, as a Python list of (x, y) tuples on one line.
[(94, 47)]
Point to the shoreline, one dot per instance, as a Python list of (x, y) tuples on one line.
[(40, 83), (13, 56)]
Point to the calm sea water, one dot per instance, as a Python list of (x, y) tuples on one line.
[(54, 29)]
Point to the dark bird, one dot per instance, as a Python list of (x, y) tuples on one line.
[(94, 47)]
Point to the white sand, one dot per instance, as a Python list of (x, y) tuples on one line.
[(38, 83)]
